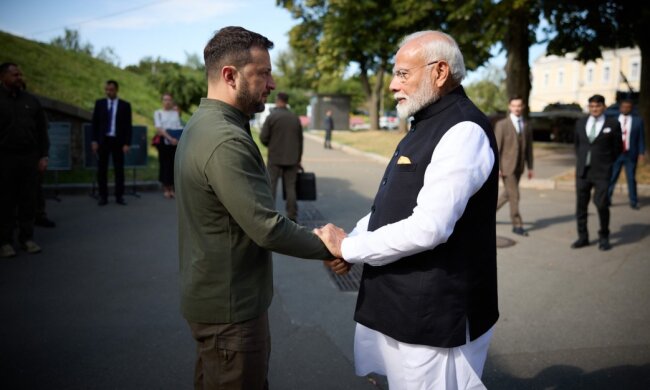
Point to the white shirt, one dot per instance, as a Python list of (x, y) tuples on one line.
[(111, 105), (460, 165), (600, 122), (516, 121), (625, 129), (167, 119)]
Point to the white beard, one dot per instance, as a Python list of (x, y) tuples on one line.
[(421, 98)]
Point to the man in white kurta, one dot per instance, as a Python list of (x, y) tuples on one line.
[(461, 166)]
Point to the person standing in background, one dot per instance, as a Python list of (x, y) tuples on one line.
[(24, 146), (165, 119), (329, 126), (515, 144), (282, 134), (597, 143), (111, 138), (633, 142)]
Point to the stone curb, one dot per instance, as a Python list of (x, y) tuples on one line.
[(536, 184)]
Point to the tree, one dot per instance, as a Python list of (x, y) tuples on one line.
[(585, 27), (489, 93), (186, 84), (510, 24), (72, 41), (108, 55), (334, 34)]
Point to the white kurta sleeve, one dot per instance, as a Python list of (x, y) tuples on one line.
[(460, 165)]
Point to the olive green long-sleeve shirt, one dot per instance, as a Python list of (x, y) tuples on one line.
[(227, 221)]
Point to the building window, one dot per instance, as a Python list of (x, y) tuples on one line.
[(606, 74), (560, 77), (590, 75), (634, 71), (546, 79)]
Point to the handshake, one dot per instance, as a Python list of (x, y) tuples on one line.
[(332, 236)]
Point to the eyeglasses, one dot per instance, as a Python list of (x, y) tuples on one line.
[(403, 74)]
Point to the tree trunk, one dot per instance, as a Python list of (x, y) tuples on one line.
[(516, 43), (372, 95)]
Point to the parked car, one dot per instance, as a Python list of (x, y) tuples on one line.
[(554, 126), (389, 122)]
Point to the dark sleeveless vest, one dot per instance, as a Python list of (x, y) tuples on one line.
[(427, 298)]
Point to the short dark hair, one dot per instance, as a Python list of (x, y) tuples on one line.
[(4, 67), (629, 101), (231, 46), (117, 86), (283, 96), (597, 99), (515, 97)]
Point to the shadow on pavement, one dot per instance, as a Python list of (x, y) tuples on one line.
[(565, 377)]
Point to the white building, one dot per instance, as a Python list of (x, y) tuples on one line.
[(558, 79)]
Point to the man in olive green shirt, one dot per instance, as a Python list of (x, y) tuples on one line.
[(227, 220)]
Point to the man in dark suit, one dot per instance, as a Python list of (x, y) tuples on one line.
[(515, 145), (633, 142), (111, 137), (597, 144), (282, 134)]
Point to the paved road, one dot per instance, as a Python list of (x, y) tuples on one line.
[(99, 307)]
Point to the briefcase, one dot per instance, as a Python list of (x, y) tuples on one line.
[(305, 186)]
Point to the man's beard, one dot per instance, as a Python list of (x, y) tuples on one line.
[(246, 101), (421, 98)]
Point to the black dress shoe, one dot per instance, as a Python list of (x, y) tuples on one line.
[(635, 207), (44, 222), (120, 201), (519, 230), (603, 244), (580, 243), (102, 202)]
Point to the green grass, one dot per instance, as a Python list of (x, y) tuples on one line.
[(79, 79)]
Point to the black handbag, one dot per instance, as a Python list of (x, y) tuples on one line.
[(305, 186)]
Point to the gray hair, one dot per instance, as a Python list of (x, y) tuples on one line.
[(441, 49)]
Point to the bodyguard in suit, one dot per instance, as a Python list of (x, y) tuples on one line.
[(111, 137), (515, 143), (597, 144), (282, 134), (633, 144)]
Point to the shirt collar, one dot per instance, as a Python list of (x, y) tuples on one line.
[(440, 105)]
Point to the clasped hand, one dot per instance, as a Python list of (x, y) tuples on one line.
[(332, 236)]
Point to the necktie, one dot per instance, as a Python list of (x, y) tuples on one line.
[(592, 137), (592, 132), (624, 133), (521, 125), (111, 104)]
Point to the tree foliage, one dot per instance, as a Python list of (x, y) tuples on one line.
[(186, 84), (587, 26), (489, 93), (71, 40), (334, 34)]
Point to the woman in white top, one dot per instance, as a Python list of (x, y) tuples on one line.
[(164, 120)]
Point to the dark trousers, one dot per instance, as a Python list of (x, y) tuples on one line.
[(328, 139), (583, 195), (232, 356), (166, 155), (288, 173), (510, 194), (630, 173), (110, 147), (40, 197), (18, 184)]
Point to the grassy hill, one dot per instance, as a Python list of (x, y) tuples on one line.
[(77, 78)]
